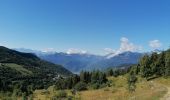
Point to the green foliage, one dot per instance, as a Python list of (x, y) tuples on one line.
[(24, 72), (30, 62), (60, 95), (110, 72), (167, 63), (95, 86), (95, 78), (145, 66), (24, 97), (131, 82), (98, 77), (80, 86), (61, 84), (153, 66), (160, 65), (31, 97), (66, 83), (85, 76), (118, 72)]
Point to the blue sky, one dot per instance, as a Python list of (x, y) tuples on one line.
[(95, 26)]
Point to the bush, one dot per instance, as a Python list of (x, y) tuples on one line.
[(46, 92), (24, 97), (110, 83), (95, 86), (106, 89), (62, 94), (81, 86), (59, 95), (132, 79), (70, 98)]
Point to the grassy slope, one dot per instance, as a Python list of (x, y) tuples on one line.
[(146, 90), (18, 68), (31, 62)]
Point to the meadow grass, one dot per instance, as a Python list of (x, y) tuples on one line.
[(18, 68), (145, 90)]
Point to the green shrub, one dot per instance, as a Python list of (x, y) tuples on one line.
[(132, 79), (61, 94), (95, 86), (81, 86), (70, 98), (106, 89), (46, 92), (24, 97)]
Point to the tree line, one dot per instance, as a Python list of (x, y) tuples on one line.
[(150, 66), (154, 65)]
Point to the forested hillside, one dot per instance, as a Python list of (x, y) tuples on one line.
[(154, 65), (23, 75), (150, 67), (141, 81), (23, 72)]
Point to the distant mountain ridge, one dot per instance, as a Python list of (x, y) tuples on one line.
[(30, 61), (73, 62), (78, 62)]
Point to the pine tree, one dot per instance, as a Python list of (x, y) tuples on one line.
[(110, 72), (88, 77), (82, 76), (75, 79), (146, 70), (153, 62), (137, 69), (95, 76), (24, 97), (160, 66), (167, 63), (102, 78)]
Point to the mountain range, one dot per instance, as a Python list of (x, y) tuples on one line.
[(78, 62)]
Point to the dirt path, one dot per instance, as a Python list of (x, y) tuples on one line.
[(167, 95), (164, 87)]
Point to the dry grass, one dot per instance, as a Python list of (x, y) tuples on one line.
[(164, 81), (44, 94), (47, 94), (152, 90), (145, 91)]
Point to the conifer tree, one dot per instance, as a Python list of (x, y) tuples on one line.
[(167, 63), (146, 70)]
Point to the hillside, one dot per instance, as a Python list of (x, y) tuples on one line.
[(31, 62), (145, 90), (148, 80), (18, 71)]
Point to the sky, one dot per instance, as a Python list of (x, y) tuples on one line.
[(85, 26)]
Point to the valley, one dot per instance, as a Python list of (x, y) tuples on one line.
[(84, 49), (24, 76), (88, 61)]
